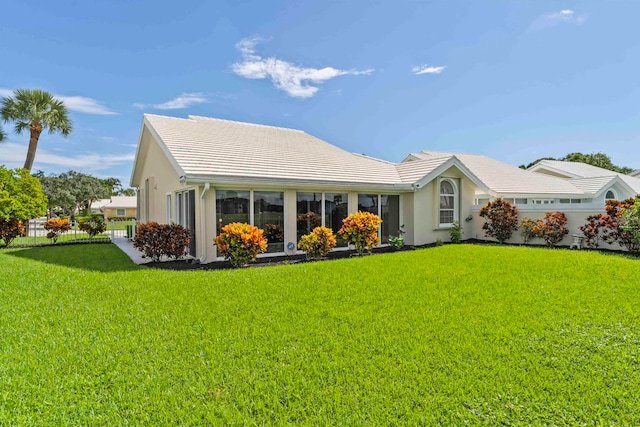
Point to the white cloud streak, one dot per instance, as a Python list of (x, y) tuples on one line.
[(13, 155), (296, 81), (185, 100), (555, 18), (81, 104), (427, 69)]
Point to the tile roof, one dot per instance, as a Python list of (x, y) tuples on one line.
[(208, 147), (583, 170), (505, 179)]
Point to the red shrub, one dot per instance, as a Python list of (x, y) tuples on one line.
[(157, 240), (501, 219), (552, 228), (10, 229), (55, 228)]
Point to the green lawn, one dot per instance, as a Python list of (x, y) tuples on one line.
[(453, 335)]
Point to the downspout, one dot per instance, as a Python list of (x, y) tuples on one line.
[(203, 218)]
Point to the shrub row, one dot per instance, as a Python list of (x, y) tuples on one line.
[(620, 223)]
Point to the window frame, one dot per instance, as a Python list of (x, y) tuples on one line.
[(456, 205)]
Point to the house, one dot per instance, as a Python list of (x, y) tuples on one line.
[(635, 173), (204, 173), (116, 207)]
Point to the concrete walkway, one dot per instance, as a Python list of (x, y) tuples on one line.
[(127, 247)]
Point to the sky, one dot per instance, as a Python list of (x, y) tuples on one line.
[(513, 80)]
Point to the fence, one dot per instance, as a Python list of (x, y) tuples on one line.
[(37, 236)]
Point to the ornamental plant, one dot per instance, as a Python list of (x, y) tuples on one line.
[(157, 240), (92, 225), (318, 243), (596, 229), (55, 228), (501, 219), (527, 230), (240, 243), (361, 230), (455, 232), (9, 230), (552, 228), (631, 227)]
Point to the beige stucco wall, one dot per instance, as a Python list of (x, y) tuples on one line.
[(576, 216), (424, 209)]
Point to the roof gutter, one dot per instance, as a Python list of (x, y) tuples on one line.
[(203, 219)]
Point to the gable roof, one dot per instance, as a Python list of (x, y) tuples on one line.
[(504, 179), (635, 173), (573, 170), (203, 148)]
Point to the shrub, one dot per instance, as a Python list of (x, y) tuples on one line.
[(274, 233), (92, 225), (55, 227), (397, 242), (10, 229), (501, 219), (527, 230), (157, 240), (552, 228), (318, 243), (631, 227), (361, 230), (121, 218), (596, 229), (240, 243), (455, 232)]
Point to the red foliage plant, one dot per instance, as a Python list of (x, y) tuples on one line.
[(501, 219), (157, 240), (55, 228), (10, 229), (552, 228)]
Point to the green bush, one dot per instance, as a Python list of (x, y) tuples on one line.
[(157, 240), (527, 230), (455, 232), (92, 225)]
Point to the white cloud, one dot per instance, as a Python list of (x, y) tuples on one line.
[(296, 81), (13, 156), (427, 69), (81, 104), (555, 18), (183, 101)]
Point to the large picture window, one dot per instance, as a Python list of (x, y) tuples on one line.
[(268, 214), (231, 206), (336, 208), (448, 203), (387, 207), (308, 213)]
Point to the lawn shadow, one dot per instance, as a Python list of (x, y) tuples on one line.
[(105, 257)]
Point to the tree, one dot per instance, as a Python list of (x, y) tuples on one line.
[(501, 219), (37, 111), (127, 192), (631, 226), (2, 134), (72, 190), (21, 195)]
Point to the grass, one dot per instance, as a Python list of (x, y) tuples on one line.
[(459, 334)]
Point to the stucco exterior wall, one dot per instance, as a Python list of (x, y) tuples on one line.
[(576, 216), (112, 212)]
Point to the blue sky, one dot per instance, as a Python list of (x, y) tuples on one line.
[(513, 80)]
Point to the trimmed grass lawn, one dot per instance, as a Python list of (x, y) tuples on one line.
[(453, 335)]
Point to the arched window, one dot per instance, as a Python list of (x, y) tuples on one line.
[(448, 203), (611, 195)]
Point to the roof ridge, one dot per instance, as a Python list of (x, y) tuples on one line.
[(196, 118)]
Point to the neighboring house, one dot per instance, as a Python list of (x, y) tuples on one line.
[(204, 173), (116, 207), (635, 173)]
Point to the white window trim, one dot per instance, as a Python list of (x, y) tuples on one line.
[(456, 207), (615, 195)]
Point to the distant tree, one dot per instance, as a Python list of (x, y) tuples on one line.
[(2, 134), (113, 185), (71, 191), (127, 192), (21, 196), (600, 160), (37, 111)]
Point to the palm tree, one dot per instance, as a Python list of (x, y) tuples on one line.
[(35, 110)]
